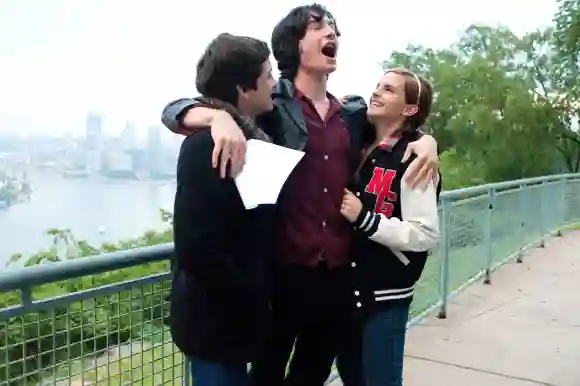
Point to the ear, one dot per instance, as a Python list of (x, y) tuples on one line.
[(410, 110), (242, 94)]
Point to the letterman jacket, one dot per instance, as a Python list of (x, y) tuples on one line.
[(395, 229)]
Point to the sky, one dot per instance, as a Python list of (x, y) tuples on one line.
[(125, 59)]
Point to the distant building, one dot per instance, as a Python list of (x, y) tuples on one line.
[(94, 131), (128, 136), (94, 143), (154, 149)]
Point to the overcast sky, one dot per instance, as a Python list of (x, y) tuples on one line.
[(125, 59)]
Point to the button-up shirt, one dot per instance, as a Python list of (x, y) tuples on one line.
[(311, 228)]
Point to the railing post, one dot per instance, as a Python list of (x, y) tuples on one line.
[(25, 296), (186, 371), (561, 205), (488, 235), (522, 214), (542, 220), (444, 264)]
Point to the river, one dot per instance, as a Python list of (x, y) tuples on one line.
[(95, 209)]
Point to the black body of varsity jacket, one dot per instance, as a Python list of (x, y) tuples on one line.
[(394, 231)]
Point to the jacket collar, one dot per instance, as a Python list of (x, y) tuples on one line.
[(284, 89), (389, 143)]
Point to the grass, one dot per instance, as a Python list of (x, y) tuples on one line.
[(144, 364), (572, 227)]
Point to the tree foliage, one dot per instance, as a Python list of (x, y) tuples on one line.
[(503, 108), (567, 20)]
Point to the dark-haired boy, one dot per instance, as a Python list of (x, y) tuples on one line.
[(219, 302)]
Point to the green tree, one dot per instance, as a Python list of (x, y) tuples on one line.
[(567, 30), (557, 91), (490, 124)]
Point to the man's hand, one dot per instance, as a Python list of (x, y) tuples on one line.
[(426, 166), (351, 206), (229, 144)]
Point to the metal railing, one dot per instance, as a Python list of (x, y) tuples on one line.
[(101, 319)]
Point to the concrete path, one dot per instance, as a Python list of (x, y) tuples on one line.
[(522, 330)]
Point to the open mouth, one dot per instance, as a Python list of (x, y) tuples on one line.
[(329, 50), (375, 103)]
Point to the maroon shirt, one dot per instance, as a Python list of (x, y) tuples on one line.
[(311, 229)]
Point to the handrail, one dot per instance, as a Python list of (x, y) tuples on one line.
[(483, 189), (15, 279)]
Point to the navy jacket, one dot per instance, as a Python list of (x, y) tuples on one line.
[(219, 303)]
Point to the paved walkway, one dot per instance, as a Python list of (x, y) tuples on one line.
[(523, 330)]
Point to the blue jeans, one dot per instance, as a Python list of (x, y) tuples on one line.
[(383, 346), (206, 373), (374, 356)]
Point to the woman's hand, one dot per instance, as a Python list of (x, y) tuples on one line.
[(351, 206)]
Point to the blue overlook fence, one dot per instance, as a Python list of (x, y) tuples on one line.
[(100, 320)]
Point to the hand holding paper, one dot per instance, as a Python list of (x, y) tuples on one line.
[(266, 169)]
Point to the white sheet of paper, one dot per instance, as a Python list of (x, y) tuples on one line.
[(266, 169)]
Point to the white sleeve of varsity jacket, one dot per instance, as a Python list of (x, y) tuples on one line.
[(419, 228)]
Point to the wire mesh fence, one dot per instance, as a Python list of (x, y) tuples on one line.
[(93, 321)]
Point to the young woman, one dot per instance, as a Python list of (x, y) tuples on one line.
[(395, 225)]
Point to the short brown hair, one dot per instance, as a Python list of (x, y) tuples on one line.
[(422, 99), (229, 62)]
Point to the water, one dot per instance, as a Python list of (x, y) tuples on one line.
[(94, 209)]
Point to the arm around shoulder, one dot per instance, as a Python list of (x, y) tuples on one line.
[(174, 111), (354, 102), (187, 115)]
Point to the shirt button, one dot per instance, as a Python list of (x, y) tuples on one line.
[(325, 190), (326, 156), (356, 293), (358, 194), (373, 160), (359, 304), (353, 264)]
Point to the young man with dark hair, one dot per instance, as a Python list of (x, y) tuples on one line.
[(311, 297), (219, 304)]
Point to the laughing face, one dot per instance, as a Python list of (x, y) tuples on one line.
[(319, 47), (390, 100)]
